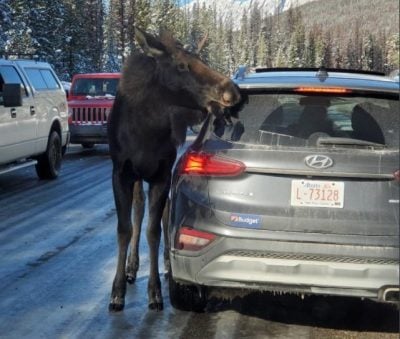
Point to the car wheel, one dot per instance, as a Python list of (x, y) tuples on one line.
[(186, 297), (87, 145), (49, 163)]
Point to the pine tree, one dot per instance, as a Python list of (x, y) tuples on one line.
[(195, 30), (243, 45), (142, 13), (262, 50), (78, 48), (94, 27), (5, 24), (393, 56), (163, 15), (310, 50), (351, 61), (268, 36), (231, 60), (297, 46), (323, 50), (19, 37), (254, 32)]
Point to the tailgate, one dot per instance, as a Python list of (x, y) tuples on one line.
[(356, 195)]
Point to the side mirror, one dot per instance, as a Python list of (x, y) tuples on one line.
[(12, 95)]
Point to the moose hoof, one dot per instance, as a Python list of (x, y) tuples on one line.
[(130, 278), (116, 305), (156, 306)]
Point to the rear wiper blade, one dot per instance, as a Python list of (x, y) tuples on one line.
[(347, 142)]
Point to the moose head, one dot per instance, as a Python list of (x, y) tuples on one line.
[(183, 73)]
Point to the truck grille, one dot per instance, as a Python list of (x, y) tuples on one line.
[(89, 115)]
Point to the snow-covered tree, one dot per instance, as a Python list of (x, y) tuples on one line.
[(310, 50), (393, 56), (5, 23)]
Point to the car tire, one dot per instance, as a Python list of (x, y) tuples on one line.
[(49, 163), (88, 145), (186, 297)]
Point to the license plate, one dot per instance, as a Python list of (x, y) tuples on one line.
[(312, 193)]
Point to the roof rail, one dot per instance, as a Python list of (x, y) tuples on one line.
[(316, 69)]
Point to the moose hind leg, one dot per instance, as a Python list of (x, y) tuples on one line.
[(138, 213), (157, 196), (165, 221), (122, 187)]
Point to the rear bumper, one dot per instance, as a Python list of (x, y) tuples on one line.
[(88, 133), (247, 268)]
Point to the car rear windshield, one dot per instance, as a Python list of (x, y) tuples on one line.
[(95, 87), (312, 120)]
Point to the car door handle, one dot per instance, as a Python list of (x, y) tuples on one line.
[(13, 112), (32, 110)]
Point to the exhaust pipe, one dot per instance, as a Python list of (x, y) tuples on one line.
[(390, 294)]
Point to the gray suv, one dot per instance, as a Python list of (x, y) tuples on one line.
[(295, 190)]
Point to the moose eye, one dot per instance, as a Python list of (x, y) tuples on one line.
[(182, 67)]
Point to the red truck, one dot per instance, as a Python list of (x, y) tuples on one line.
[(89, 101)]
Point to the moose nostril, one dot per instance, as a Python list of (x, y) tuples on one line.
[(227, 97)]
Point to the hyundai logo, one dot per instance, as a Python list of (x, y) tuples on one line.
[(318, 161)]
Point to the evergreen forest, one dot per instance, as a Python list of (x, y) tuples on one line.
[(78, 36)]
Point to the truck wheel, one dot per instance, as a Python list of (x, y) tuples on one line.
[(49, 163), (186, 297)]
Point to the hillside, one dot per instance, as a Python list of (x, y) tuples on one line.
[(237, 7), (344, 15)]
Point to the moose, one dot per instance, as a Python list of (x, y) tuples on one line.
[(161, 92)]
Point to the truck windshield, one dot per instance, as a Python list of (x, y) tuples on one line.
[(95, 87)]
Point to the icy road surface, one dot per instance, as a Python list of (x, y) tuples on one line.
[(58, 254)]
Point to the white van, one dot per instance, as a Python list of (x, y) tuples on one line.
[(33, 117)]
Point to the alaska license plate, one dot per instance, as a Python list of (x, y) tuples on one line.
[(313, 193)]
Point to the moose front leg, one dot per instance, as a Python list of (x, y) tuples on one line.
[(158, 193), (138, 213), (122, 186)]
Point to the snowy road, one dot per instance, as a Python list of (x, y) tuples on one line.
[(58, 254)]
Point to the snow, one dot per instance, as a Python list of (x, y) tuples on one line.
[(236, 7)]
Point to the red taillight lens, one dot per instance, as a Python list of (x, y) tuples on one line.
[(209, 164), (190, 239)]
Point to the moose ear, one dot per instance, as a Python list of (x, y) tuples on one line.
[(150, 45)]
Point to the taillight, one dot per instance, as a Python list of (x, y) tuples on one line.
[(190, 239), (208, 164), (333, 90)]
